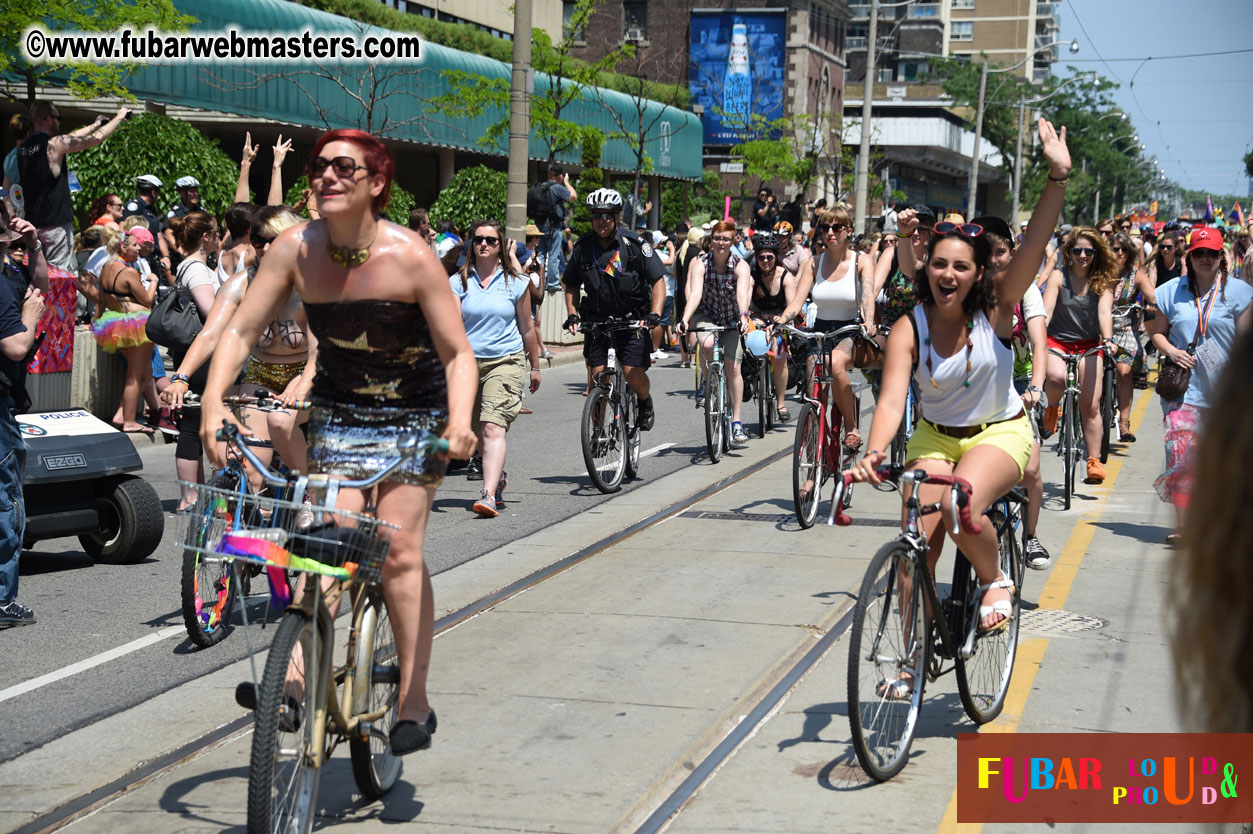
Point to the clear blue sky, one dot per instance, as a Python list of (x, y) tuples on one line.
[(1194, 114)]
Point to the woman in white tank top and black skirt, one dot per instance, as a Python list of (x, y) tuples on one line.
[(830, 279), (955, 344)]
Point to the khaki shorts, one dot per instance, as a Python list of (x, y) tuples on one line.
[(732, 344), (1014, 437), (500, 390)]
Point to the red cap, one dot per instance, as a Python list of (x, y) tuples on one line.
[(1206, 238)]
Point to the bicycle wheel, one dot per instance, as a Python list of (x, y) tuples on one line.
[(714, 389), (1109, 381), (765, 397), (282, 776), (807, 476), (604, 447), (888, 643), (983, 678), (378, 673), (631, 420), (1068, 450), (209, 585)]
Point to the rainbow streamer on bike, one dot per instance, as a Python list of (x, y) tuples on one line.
[(277, 560)]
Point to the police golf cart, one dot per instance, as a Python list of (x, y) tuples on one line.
[(79, 483)]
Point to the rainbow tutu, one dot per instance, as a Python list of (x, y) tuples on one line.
[(114, 331)]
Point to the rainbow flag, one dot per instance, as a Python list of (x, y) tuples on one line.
[(1209, 209), (1239, 213), (615, 265)]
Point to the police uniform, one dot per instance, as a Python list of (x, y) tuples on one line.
[(138, 206), (616, 282)]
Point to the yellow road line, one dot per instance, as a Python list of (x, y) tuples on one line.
[(1056, 591)]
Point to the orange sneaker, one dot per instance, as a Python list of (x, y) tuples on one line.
[(1096, 472), (1051, 415)]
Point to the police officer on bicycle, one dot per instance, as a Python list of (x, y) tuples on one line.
[(619, 275)]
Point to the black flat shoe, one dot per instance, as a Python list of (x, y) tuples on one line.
[(410, 736), (289, 715)]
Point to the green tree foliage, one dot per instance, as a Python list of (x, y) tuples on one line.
[(158, 145), (590, 179), (19, 78), (705, 201), (960, 81), (1248, 163), (475, 193)]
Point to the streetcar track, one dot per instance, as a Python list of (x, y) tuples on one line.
[(91, 801)]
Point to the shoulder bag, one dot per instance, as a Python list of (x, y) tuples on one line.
[(175, 319)]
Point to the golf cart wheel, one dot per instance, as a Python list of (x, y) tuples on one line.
[(131, 522)]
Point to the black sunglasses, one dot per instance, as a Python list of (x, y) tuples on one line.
[(1119, 249), (344, 166), (770, 255), (259, 242), (967, 229), (831, 227), (602, 215), (490, 240), (1086, 252)]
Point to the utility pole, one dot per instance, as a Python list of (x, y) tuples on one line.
[(861, 187), (519, 122), (974, 158)]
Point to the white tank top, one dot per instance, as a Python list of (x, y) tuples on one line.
[(989, 397), (224, 276), (835, 300)]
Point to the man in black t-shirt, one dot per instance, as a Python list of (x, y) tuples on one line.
[(620, 276), (18, 322)]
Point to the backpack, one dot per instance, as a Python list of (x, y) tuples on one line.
[(541, 204)]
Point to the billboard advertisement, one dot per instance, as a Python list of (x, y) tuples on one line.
[(736, 71)]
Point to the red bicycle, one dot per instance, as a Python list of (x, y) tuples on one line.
[(820, 430)]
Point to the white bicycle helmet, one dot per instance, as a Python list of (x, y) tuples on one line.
[(187, 182), (604, 199), (147, 181)]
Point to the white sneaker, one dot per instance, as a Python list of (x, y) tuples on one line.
[(660, 354)]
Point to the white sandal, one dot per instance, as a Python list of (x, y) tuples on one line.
[(1004, 607)]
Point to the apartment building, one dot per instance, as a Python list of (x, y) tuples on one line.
[(492, 16), (925, 148)]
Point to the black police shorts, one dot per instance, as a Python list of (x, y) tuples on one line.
[(634, 348)]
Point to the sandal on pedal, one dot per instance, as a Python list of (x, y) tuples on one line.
[(784, 414), (1004, 607), (897, 690), (852, 440), (410, 736)]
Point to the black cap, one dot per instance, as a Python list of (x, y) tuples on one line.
[(996, 226), (924, 213)]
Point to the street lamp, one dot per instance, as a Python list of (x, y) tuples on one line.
[(861, 187), (1022, 108), (983, 90)]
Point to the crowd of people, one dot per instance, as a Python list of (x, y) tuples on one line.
[(388, 328)]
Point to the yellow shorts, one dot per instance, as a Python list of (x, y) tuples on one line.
[(1014, 437)]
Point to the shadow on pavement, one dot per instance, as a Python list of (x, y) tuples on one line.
[(1146, 533), (34, 563)]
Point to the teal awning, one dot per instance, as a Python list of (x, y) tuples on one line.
[(402, 91)]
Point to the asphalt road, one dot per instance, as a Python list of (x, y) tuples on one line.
[(85, 609)]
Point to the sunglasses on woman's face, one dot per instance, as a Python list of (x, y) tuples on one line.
[(1203, 253), (967, 229), (1118, 250), (765, 256), (1168, 249), (1083, 253), (827, 228), (343, 166), (490, 240), (259, 242)]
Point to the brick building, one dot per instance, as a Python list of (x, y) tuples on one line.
[(795, 50)]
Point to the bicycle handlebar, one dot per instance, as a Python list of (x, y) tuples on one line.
[(407, 446), (959, 495), (1078, 356), (261, 401), (609, 325), (828, 335)]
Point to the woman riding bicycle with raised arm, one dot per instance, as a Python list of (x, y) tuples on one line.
[(1133, 287), (718, 290), (837, 279), (956, 345), (1079, 300), (392, 359), (774, 287)]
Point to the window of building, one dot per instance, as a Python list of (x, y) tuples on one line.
[(567, 12), (635, 20), (886, 75), (963, 31), (963, 4)]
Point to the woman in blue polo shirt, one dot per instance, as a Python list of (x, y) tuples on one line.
[(1199, 314), (496, 310)]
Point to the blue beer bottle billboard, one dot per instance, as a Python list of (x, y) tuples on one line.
[(737, 84)]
